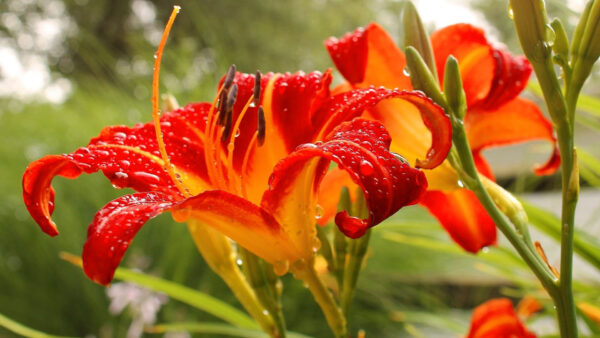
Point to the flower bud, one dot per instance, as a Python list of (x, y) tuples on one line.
[(416, 36)]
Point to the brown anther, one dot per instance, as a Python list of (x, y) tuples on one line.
[(222, 109), (229, 77), (227, 127), (257, 79), (231, 96), (540, 250), (261, 129)]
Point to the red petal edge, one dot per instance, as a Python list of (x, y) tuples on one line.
[(463, 217), (349, 54), (113, 228), (361, 148), (497, 318)]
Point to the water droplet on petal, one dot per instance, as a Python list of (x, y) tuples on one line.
[(281, 267), (366, 168), (318, 212), (181, 215)]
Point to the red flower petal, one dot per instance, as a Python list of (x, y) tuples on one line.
[(497, 319), (463, 217), (516, 121), (475, 58), (369, 57), (128, 157), (113, 228), (351, 104), (115, 225), (361, 148), (491, 77), (295, 100)]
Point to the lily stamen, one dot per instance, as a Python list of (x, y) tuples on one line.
[(231, 145), (175, 177)]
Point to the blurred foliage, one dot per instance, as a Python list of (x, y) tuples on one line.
[(416, 280)]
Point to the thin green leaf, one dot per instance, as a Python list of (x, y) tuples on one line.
[(182, 293), (23, 330), (585, 245), (589, 167), (215, 329)]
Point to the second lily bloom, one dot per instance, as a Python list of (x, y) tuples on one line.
[(496, 115)]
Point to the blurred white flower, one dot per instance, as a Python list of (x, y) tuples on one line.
[(143, 305)]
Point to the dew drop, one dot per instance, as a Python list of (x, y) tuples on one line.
[(265, 312), (239, 261), (181, 215), (366, 168), (318, 212), (406, 71), (237, 133), (281, 267), (460, 183)]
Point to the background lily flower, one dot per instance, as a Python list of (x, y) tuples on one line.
[(496, 318), (249, 168), (492, 80)]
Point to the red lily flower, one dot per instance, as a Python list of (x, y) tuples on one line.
[(250, 168), (496, 318), (492, 80)]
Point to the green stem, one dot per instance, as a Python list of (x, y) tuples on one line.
[(472, 181), (264, 286), (357, 250), (333, 314)]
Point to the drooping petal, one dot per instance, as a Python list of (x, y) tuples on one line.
[(463, 217), (491, 76), (360, 148), (516, 121), (113, 229), (250, 226), (369, 57), (128, 157), (115, 225), (497, 319)]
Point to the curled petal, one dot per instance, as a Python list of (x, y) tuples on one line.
[(115, 225), (517, 121), (388, 105), (37, 191), (113, 228), (463, 217), (369, 56), (497, 319), (361, 148), (128, 157), (491, 76)]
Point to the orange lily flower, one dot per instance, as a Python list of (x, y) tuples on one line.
[(492, 80), (248, 165), (496, 318)]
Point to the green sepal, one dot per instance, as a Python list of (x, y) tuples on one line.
[(416, 36), (453, 89), (561, 44), (422, 78)]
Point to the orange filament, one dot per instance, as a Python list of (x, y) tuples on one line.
[(210, 153), (155, 113), (231, 146), (251, 145)]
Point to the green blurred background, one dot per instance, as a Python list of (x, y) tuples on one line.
[(70, 67)]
